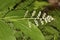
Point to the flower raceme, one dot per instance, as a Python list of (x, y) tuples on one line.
[(44, 19)]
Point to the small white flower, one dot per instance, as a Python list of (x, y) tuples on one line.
[(42, 22), (26, 13), (43, 15), (39, 14), (45, 19), (51, 18), (48, 18), (29, 24), (33, 14)]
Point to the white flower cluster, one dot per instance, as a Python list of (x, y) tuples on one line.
[(44, 19)]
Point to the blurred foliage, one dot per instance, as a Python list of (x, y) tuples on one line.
[(14, 26)]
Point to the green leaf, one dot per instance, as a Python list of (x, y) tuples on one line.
[(40, 5), (6, 33), (4, 4), (16, 14), (26, 4), (29, 29), (7, 5)]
